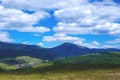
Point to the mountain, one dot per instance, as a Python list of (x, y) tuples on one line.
[(16, 46), (69, 49), (11, 50)]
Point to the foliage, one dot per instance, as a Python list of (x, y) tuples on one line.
[(100, 60), (95, 66), (5, 67), (23, 61), (37, 74)]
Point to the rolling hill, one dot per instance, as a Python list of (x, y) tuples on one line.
[(93, 60)]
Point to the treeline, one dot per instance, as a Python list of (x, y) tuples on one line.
[(83, 62)]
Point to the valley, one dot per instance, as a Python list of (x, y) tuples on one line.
[(84, 64)]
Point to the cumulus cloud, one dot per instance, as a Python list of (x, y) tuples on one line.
[(93, 44), (109, 46), (83, 16), (38, 29), (65, 38), (14, 19), (61, 37), (116, 41), (113, 43), (74, 28), (73, 16), (70, 28), (89, 18), (96, 44), (40, 4), (5, 37)]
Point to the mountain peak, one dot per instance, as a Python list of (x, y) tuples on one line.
[(67, 44), (69, 49)]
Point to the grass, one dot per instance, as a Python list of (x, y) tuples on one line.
[(85, 67), (93, 74), (49, 71)]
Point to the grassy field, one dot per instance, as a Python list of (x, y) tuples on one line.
[(85, 67), (93, 74)]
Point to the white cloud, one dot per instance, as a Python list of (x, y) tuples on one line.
[(41, 4), (65, 38), (113, 43), (74, 16), (93, 44), (70, 28), (38, 29), (74, 28), (13, 19), (61, 37), (5, 37), (109, 46), (89, 18), (15, 15), (116, 41), (80, 41), (40, 44), (96, 44)]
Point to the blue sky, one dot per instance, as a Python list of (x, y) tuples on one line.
[(48, 23)]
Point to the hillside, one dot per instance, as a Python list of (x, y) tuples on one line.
[(92, 66), (70, 49), (93, 60), (12, 50), (20, 62), (95, 66)]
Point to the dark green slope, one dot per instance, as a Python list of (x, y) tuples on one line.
[(93, 60), (10, 50), (70, 49)]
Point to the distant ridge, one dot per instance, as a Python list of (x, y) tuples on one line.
[(10, 50), (70, 49), (18, 46)]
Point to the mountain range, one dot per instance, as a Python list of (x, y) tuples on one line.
[(70, 49), (11, 50)]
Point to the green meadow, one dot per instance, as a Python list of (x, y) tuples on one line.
[(85, 67), (95, 74)]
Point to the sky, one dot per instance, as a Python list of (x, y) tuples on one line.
[(48, 23)]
